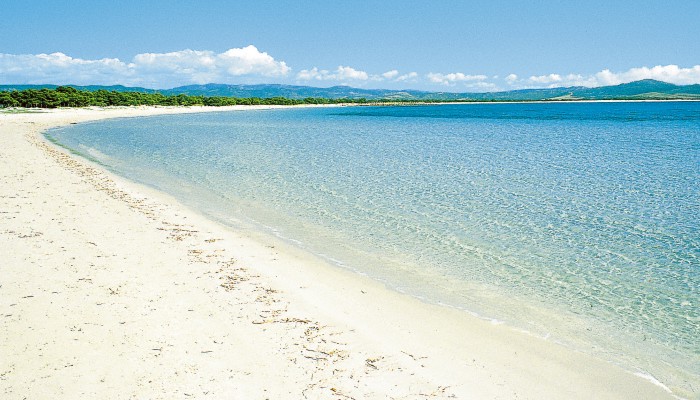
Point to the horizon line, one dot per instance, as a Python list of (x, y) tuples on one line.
[(349, 86)]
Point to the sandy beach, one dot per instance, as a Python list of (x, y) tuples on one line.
[(112, 290)]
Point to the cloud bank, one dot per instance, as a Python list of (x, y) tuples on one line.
[(666, 73), (349, 75), (453, 78), (341, 74), (250, 65), (149, 69)]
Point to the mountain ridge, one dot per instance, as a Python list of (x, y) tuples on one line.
[(647, 89)]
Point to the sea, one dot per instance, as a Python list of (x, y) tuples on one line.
[(575, 222)]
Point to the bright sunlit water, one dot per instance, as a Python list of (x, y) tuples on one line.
[(577, 222)]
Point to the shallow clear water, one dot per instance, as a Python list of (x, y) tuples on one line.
[(574, 221)]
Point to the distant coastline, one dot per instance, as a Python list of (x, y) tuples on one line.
[(52, 96)]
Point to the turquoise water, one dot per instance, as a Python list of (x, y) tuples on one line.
[(576, 222)]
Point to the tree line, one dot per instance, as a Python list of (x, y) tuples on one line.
[(67, 96)]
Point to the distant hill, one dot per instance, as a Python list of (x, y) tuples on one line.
[(635, 90), (296, 92), (640, 90), (647, 89)]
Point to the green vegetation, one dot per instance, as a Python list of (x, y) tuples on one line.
[(66, 96)]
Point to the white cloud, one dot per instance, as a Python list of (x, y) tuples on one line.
[(394, 76), (551, 78), (391, 74), (342, 74), (666, 73), (60, 68), (411, 76), (151, 69), (309, 74), (512, 78), (451, 79), (249, 60), (207, 66), (192, 66), (349, 73), (250, 65)]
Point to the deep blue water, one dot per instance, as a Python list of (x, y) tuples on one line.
[(574, 221)]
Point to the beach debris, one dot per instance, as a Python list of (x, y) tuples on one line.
[(295, 320), (372, 362), (233, 277), (440, 391), (339, 393), (321, 352), (413, 357)]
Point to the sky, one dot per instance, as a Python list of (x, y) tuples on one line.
[(436, 45)]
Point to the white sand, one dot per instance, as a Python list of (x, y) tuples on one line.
[(111, 290)]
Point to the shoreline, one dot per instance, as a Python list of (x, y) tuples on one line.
[(419, 103), (383, 343)]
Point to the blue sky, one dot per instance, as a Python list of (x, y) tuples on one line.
[(429, 45)]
